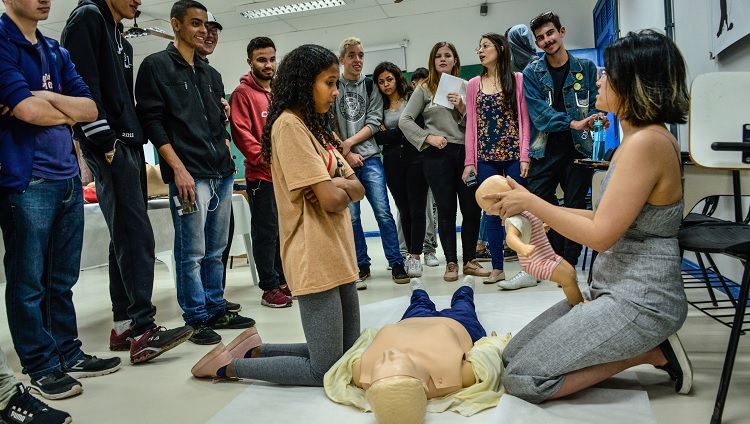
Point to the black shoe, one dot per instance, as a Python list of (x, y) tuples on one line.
[(232, 307), (510, 255), (203, 334), (364, 272), (231, 320), (678, 364), (56, 385), (91, 366), (483, 255), (399, 274), (26, 409)]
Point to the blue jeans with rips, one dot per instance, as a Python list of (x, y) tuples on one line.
[(199, 241), (372, 177), (461, 310), (43, 233)]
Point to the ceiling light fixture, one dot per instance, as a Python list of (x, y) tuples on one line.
[(292, 8)]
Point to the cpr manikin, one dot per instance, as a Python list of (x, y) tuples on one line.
[(429, 354), (526, 235)]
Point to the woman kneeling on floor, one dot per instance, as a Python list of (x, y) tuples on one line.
[(314, 186), (636, 301)]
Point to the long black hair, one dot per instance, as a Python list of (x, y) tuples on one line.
[(293, 90), (503, 70), (402, 87)]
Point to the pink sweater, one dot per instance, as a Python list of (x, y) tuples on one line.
[(524, 124)]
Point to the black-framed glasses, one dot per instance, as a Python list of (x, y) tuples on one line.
[(545, 15)]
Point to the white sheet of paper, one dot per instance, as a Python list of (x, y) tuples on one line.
[(449, 84)]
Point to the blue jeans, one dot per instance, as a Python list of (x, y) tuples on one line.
[(372, 177), (494, 225), (199, 240), (43, 234), (461, 310)]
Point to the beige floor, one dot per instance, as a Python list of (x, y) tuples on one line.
[(163, 391)]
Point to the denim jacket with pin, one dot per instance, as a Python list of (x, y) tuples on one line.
[(539, 89)]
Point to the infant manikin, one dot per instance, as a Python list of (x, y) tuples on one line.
[(525, 234)]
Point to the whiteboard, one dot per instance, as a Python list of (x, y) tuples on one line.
[(396, 55)]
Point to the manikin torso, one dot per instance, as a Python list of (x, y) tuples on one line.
[(437, 346)]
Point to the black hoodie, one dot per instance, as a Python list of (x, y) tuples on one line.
[(104, 58)]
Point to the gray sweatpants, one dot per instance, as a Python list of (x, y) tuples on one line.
[(330, 320), (564, 339)]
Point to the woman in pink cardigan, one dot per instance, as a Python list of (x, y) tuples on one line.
[(497, 132)]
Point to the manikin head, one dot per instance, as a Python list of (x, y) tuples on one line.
[(397, 395), (492, 185)]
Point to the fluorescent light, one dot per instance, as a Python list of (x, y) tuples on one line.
[(292, 8), (140, 32)]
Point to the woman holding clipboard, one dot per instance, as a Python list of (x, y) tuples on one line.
[(442, 140)]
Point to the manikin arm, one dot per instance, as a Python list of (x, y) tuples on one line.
[(513, 239)]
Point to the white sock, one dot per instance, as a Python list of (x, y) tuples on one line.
[(416, 284), (468, 281), (122, 326)]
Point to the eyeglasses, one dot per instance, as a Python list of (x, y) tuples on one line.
[(600, 72), (213, 31), (483, 47), (543, 16)]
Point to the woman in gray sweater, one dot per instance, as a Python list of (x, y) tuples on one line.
[(442, 140)]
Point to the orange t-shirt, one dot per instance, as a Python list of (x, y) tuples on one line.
[(317, 247)]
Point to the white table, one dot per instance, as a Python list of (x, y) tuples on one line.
[(96, 235)]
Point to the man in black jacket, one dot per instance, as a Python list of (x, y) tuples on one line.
[(113, 149), (179, 107)]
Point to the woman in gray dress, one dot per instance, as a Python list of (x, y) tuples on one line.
[(636, 302)]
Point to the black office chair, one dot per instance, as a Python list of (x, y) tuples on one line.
[(720, 139)]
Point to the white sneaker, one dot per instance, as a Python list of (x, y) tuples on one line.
[(518, 281), (361, 285), (430, 259), (413, 267)]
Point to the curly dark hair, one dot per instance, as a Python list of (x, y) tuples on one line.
[(402, 87), (293, 90)]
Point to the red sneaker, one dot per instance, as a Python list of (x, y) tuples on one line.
[(274, 298), (156, 341), (119, 342), (285, 289)]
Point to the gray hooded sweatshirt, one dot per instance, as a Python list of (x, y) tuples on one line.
[(355, 109)]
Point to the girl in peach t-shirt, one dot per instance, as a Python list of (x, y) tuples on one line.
[(314, 186)]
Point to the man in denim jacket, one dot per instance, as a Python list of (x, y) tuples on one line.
[(558, 88)]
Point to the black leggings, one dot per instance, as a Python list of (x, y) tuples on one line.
[(443, 169), (404, 176)]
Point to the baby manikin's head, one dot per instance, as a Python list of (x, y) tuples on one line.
[(397, 395), (492, 185)]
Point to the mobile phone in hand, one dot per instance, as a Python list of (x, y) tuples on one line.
[(471, 180), (184, 208)]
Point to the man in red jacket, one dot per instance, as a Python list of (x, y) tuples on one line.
[(249, 103)]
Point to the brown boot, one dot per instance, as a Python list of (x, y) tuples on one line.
[(473, 268)]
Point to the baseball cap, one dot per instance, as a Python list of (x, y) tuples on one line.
[(212, 20)]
